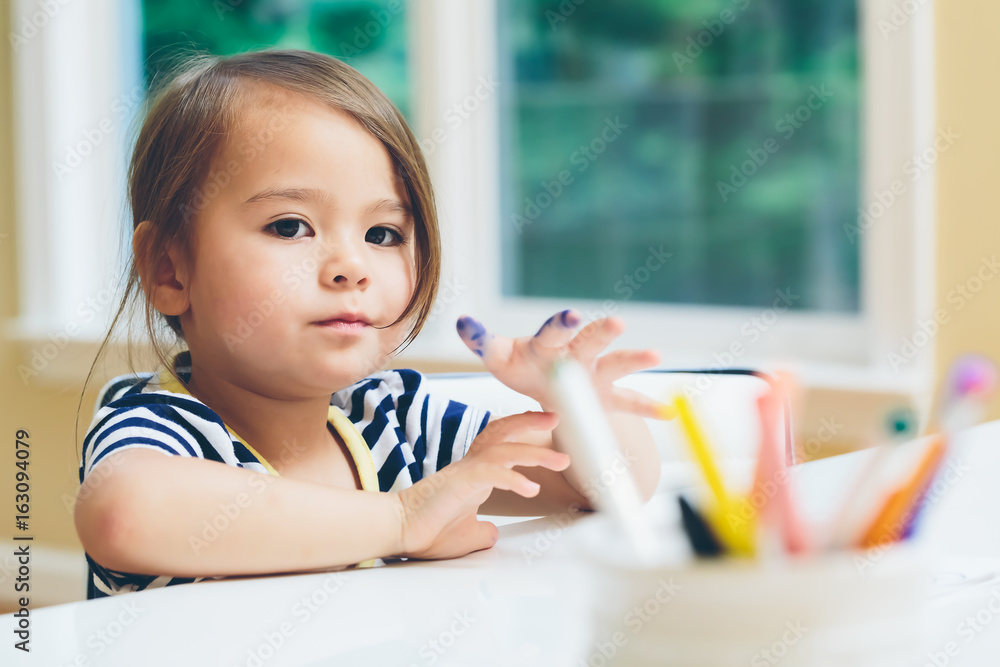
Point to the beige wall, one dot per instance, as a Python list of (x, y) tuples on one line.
[(969, 58), (968, 93)]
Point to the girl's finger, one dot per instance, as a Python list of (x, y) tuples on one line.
[(623, 399), (483, 343), (483, 535), (509, 480), (615, 365), (556, 332), (508, 427), (594, 338), (513, 454)]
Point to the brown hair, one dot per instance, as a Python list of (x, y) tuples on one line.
[(186, 127)]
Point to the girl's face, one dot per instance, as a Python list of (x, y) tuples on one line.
[(306, 224)]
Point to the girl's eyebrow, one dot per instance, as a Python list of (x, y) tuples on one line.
[(324, 197)]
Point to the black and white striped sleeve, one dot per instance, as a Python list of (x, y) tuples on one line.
[(168, 423)]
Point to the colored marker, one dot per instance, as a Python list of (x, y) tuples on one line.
[(772, 473), (703, 541), (593, 448), (971, 382), (855, 514), (890, 522), (725, 518)]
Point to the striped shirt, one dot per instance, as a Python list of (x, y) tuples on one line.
[(396, 432)]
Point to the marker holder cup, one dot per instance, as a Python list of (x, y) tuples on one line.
[(840, 608)]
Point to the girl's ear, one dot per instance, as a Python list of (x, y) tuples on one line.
[(164, 276)]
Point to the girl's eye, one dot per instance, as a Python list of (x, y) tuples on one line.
[(377, 235), (289, 228)]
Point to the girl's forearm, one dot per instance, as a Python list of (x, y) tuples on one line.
[(173, 516)]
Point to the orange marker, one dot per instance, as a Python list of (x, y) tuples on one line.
[(890, 522)]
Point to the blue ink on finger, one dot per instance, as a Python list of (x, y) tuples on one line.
[(566, 317), (542, 328), (474, 334)]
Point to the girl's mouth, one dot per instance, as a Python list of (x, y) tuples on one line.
[(343, 326)]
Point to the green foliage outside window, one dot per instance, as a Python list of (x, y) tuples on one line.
[(708, 164), (370, 36)]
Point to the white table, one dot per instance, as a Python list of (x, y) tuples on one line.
[(524, 602)]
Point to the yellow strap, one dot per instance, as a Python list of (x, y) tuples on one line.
[(357, 446), (170, 383), (362, 456)]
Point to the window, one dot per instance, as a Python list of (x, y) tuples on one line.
[(687, 115), (769, 259), (667, 152), (370, 36)]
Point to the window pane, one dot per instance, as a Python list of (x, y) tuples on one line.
[(369, 36), (725, 132)]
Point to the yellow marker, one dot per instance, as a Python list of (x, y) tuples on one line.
[(729, 524)]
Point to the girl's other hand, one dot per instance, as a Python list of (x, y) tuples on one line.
[(523, 363), (439, 512)]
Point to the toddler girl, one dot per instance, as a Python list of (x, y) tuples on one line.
[(285, 231)]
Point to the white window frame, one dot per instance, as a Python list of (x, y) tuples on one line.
[(457, 48), (66, 79), (77, 90)]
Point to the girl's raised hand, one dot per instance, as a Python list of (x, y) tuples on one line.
[(439, 512), (523, 363)]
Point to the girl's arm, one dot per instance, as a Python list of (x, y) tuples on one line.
[(149, 513), (188, 517)]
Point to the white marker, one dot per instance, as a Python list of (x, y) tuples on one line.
[(593, 448)]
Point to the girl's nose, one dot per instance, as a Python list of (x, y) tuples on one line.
[(344, 266)]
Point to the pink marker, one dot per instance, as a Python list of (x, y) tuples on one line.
[(772, 479)]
